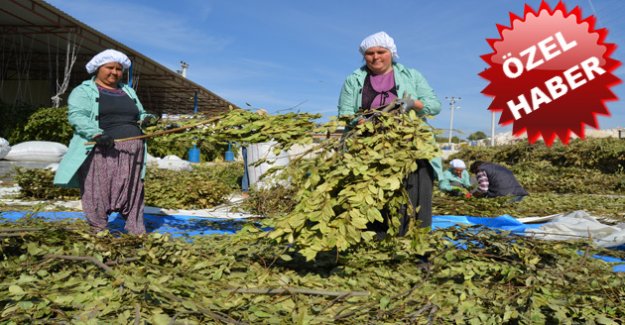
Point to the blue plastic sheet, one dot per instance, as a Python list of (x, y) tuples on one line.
[(176, 225), (184, 226)]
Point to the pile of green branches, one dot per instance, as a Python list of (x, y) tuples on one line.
[(199, 188), (536, 204), (590, 166), (59, 272), (350, 181), (37, 184), (603, 154)]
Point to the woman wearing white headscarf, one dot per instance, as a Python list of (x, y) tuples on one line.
[(456, 180), (109, 174), (376, 84)]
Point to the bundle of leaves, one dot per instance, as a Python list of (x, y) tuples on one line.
[(37, 183), (238, 126), (58, 272), (45, 124), (194, 189), (350, 181)]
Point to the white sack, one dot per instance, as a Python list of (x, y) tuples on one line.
[(37, 151), (170, 162), (4, 148)]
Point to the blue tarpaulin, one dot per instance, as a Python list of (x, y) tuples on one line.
[(181, 225), (176, 225)]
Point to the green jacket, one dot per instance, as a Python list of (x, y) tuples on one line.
[(444, 182), (407, 81), (83, 117)]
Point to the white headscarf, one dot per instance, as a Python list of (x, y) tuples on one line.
[(107, 56), (380, 39), (458, 164)]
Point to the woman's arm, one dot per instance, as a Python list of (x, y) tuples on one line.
[(79, 114), (426, 95)]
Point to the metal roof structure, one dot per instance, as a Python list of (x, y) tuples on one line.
[(35, 40)]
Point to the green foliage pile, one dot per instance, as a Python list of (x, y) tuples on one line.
[(603, 154), (206, 186), (238, 126), (537, 204), (228, 173), (58, 272), (195, 189), (593, 166), (272, 202), (543, 177), (38, 184), (345, 186), (45, 124)]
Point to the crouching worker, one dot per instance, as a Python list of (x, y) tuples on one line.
[(109, 174), (494, 180), (456, 180)]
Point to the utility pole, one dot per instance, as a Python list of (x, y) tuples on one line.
[(452, 105), (183, 69), (492, 129)]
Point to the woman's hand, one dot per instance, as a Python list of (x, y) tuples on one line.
[(104, 141), (406, 104), (149, 120)]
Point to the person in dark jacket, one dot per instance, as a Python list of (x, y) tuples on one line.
[(494, 180)]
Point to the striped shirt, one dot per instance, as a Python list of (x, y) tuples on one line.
[(482, 181)]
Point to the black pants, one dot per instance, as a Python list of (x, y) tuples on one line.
[(419, 186)]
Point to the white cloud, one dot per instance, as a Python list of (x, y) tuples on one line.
[(142, 26)]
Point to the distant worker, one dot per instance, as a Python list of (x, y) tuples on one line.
[(494, 180), (376, 84), (109, 174), (456, 180)]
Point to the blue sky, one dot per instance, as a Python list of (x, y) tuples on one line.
[(283, 54)]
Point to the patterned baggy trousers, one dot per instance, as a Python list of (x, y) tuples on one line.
[(110, 180)]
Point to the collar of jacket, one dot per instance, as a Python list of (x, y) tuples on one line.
[(398, 70), (91, 84)]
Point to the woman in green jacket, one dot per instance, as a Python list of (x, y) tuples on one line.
[(456, 180), (376, 84), (109, 174)]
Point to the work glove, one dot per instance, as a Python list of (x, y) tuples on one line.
[(104, 141), (171, 126), (148, 120), (405, 104)]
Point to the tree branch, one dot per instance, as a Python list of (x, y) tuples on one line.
[(91, 259), (282, 291)]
